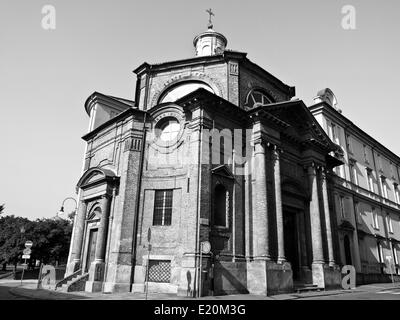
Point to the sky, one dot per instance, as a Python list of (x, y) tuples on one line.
[(46, 75)]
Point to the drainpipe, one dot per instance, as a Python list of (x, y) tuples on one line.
[(197, 263)]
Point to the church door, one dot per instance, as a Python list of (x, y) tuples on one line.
[(347, 250), (91, 248), (291, 241)]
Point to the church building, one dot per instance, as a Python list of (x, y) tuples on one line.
[(215, 180)]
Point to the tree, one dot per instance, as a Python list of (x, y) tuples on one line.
[(1, 208), (13, 235), (50, 237)]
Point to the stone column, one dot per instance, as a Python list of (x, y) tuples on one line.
[(101, 241), (97, 268), (315, 218), (278, 206), (260, 208), (318, 273), (327, 218), (79, 228)]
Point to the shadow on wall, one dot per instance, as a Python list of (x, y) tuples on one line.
[(229, 278)]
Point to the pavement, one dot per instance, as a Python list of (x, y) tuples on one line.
[(12, 289)]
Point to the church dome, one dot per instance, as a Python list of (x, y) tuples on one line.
[(209, 42)]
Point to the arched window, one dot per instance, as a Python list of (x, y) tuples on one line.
[(221, 205), (178, 91), (257, 97)]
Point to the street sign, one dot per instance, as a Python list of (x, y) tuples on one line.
[(27, 251), (205, 247), (26, 256), (28, 244)]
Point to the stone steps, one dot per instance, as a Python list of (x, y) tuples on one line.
[(307, 288), (65, 286)]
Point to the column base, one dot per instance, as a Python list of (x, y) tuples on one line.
[(72, 267), (96, 271), (268, 277), (325, 276), (111, 287), (94, 286)]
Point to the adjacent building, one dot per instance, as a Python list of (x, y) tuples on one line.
[(366, 195)]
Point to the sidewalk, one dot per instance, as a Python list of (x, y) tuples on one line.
[(28, 290)]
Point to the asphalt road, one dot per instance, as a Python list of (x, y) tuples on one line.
[(5, 293), (376, 294), (373, 293)]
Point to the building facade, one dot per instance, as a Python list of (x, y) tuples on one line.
[(366, 196), (216, 150)]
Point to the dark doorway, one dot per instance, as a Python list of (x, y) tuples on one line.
[(291, 241), (91, 248), (347, 250)]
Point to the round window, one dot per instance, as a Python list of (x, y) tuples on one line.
[(169, 129)]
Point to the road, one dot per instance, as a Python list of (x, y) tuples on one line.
[(5, 293), (370, 292)]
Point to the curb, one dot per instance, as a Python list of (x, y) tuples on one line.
[(15, 292), (34, 293)]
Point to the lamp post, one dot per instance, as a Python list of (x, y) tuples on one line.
[(22, 231), (62, 206), (73, 223)]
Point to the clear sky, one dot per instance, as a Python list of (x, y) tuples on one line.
[(46, 75)]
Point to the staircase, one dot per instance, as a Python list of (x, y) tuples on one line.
[(74, 282), (306, 287)]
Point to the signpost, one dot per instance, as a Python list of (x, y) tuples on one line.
[(148, 260), (26, 254), (205, 247)]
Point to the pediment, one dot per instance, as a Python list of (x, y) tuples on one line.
[(223, 171), (302, 125), (346, 225)]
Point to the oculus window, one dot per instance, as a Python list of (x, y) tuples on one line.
[(168, 129)]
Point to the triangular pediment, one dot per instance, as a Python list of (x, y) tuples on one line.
[(223, 171), (302, 125)]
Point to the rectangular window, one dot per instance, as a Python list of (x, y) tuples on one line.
[(375, 222), (162, 208), (370, 180), (365, 153), (353, 173), (379, 162), (392, 171), (342, 211), (384, 187), (357, 212), (389, 223), (334, 134), (396, 193), (349, 144), (380, 252)]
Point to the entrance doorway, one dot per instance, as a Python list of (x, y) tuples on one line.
[(91, 250), (347, 250), (291, 238)]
